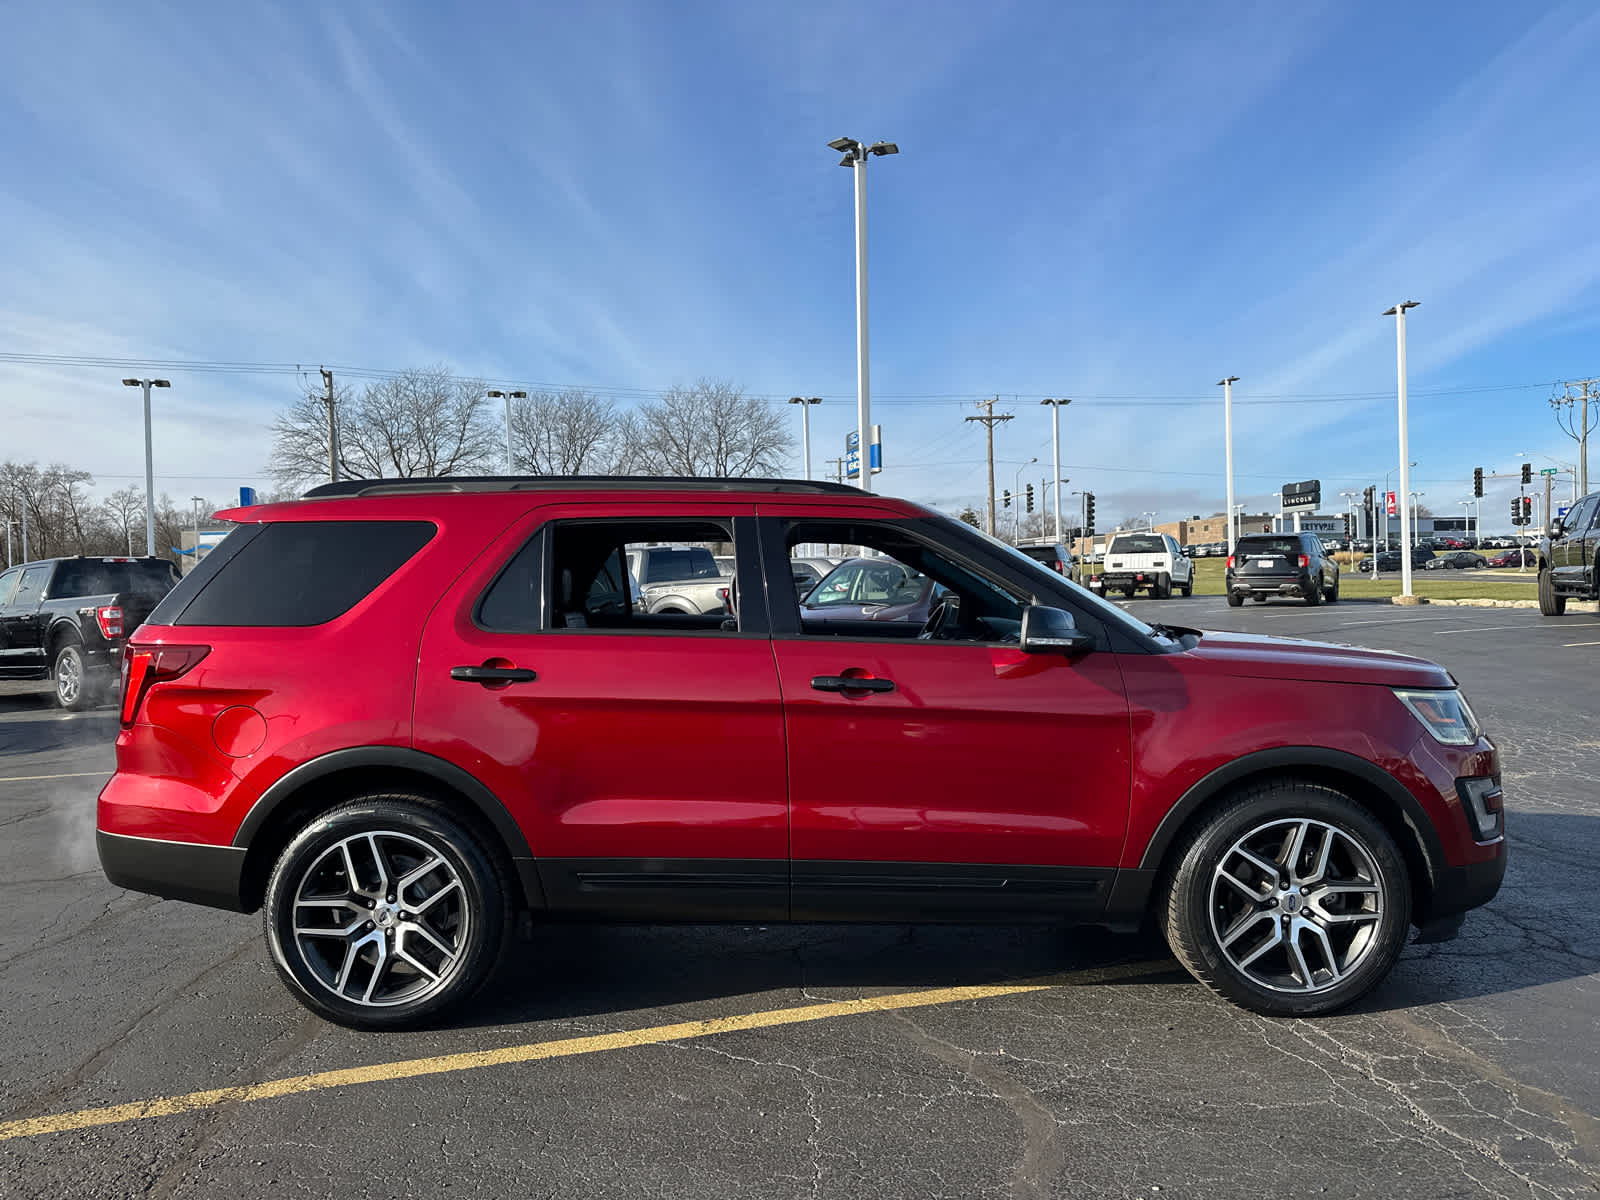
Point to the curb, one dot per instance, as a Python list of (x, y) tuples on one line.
[(1581, 606)]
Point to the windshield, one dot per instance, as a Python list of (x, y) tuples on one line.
[(867, 581), (1142, 543), (1103, 609)]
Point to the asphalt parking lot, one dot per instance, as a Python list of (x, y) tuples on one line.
[(825, 1061)]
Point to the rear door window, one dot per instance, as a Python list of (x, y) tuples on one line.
[(98, 576), (299, 573)]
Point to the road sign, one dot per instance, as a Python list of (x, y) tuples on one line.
[(852, 457), (247, 497), (1305, 496), (1562, 510), (1548, 471)]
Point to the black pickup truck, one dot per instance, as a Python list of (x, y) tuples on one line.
[(67, 619)]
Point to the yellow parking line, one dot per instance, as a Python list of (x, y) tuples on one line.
[(68, 775), (472, 1060)]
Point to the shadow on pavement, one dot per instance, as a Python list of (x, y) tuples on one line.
[(47, 733)]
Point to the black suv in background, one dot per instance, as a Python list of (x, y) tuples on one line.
[(1281, 564), (1569, 560), (67, 619)]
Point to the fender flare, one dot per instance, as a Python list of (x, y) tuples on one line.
[(488, 805), (1287, 759)]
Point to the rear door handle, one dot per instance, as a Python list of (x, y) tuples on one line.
[(493, 674), (845, 683)]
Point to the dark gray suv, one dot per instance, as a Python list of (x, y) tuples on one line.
[(1281, 564)]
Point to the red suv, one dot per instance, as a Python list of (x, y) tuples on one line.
[(398, 715)]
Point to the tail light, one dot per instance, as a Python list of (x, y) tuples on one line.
[(726, 596), (1305, 560), (109, 618), (1230, 562), (1061, 567), (145, 666)]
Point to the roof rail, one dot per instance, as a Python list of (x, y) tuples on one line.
[(424, 485)]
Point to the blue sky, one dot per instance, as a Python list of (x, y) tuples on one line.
[(1119, 204)]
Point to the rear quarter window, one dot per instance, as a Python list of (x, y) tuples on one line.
[(299, 573)]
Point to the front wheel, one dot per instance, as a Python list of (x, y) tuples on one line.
[(385, 912), (1550, 603), (1290, 900)]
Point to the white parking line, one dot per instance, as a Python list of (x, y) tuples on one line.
[(1567, 644), (69, 775)]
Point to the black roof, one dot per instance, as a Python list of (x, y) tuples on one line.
[(542, 483)]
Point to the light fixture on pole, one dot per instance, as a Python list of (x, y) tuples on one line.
[(855, 156), (1226, 385), (805, 403), (1016, 490), (149, 463), (508, 397), (1398, 312), (1416, 517), (1055, 440)]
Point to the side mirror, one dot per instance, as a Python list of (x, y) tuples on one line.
[(1048, 630)]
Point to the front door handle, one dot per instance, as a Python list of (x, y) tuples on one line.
[(846, 683), (491, 675)]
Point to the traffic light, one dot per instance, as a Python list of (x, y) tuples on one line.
[(1006, 497), (1527, 510), (1516, 510), (1030, 497), (1477, 481), (1527, 472), (1088, 514)]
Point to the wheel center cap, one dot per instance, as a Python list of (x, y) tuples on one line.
[(1291, 902), (384, 916)]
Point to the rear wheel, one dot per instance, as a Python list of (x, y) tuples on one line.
[(1161, 589), (75, 686), (1550, 604), (385, 912), (1234, 600), (1314, 593), (1188, 586), (1332, 594), (1289, 900)]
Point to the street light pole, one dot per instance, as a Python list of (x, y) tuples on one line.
[(1055, 440), (855, 156), (1016, 499), (149, 463), (1398, 312), (1227, 433), (508, 397), (805, 403), (197, 501)]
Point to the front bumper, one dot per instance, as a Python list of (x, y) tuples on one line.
[(1456, 890), (210, 875)]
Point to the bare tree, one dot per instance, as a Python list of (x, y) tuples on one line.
[(710, 429), (124, 510), (564, 433), (419, 422)]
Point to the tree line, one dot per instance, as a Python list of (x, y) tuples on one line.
[(63, 518), (429, 421)]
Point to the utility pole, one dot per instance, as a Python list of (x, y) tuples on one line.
[(333, 428), (838, 469), (1226, 384), (988, 419), (1398, 312), (1577, 392), (1548, 476)]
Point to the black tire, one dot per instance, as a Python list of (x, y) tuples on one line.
[(465, 913), (1161, 589), (76, 686), (1194, 901), (1128, 592), (1235, 601), (1314, 593), (1332, 594), (1550, 603), (1188, 588)]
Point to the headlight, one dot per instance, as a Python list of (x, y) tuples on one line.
[(1446, 715)]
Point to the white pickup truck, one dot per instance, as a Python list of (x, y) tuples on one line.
[(1139, 561)]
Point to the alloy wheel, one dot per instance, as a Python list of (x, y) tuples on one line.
[(381, 918), (1296, 905)]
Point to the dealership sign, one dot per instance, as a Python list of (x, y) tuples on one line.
[(1305, 496)]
